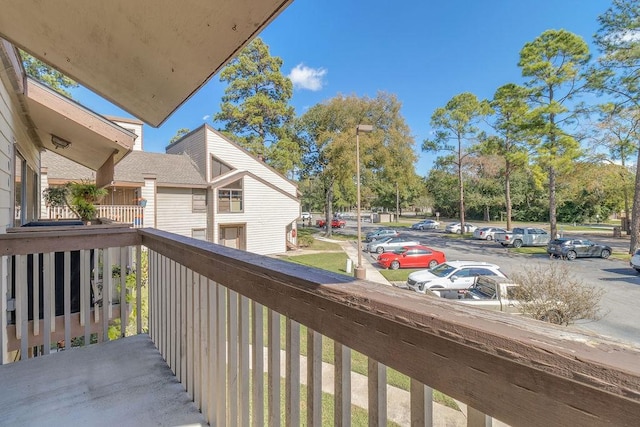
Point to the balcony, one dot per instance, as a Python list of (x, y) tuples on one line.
[(236, 339)]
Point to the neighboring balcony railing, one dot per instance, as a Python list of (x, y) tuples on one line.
[(210, 308), (130, 214)]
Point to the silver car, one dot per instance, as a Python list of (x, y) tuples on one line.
[(487, 233), (454, 227), (390, 244), (426, 224)]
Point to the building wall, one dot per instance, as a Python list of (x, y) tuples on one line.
[(148, 192), (194, 146), (241, 160), (135, 128), (267, 213), (174, 213)]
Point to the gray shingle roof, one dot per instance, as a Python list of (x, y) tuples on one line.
[(169, 169)]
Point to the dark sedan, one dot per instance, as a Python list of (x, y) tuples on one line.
[(577, 248)]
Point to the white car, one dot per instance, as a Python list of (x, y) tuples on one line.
[(426, 224), (305, 216), (634, 262), (454, 227), (487, 233), (390, 244), (451, 275)]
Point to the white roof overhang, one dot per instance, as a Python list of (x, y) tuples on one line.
[(146, 56)]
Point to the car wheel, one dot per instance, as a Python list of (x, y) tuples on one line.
[(571, 255), (489, 237), (517, 243), (421, 228), (341, 225), (637, 270), (433, 263), (503, 244), (605, 253), (458, 231), (394, 265), (379, 249)]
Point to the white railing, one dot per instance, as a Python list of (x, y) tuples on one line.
[(130, 214)]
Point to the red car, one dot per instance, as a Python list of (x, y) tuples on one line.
[(411, 257), (335, 223)]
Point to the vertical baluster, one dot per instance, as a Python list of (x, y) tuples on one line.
[(184, 312), (196, 351), (314, 378), (212, 364), (421, 404), (108, 276), (173, 311), (476, 418), (342, 388), (257, 358), (85, 294), (293, 374), (274, 368), (46, 301), (20, 282), (22, 305), (98, 295), (221, 361), (188, 383), (204, 347), (106, 292), (232, 355), (243, 359), (124, 307), (36, 294), (377, 384), (139, 288), (67, 300), (52, 291)]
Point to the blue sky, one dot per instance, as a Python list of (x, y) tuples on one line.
[(424, 52)]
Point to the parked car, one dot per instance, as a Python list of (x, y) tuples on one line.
[(335, 223), (426, 224), (411, 257), (519, 237), (634, 262), (381, 233), (454, 227), (451, 275), (389, 244), (305, 216), (487, 233), (571, 249)]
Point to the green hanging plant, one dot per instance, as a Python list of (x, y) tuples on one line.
[(80, 197)]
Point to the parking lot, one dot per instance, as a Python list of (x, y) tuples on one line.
[(620, 303)]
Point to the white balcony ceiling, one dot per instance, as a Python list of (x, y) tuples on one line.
[(148, 57)]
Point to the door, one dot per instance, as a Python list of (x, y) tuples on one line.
[(232, 236)]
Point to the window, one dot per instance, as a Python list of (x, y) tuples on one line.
[(198, 200), (218, 167), (230, 197), (199, 233)]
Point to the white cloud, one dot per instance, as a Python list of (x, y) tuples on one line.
[(304, 77), (205, 118)]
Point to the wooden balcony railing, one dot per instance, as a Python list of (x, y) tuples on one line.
[(130, 214), (208, 306)]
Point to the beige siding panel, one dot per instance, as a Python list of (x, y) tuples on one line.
[(266, 215), (194, 146), (174, 214), (243, 161), (148, 193)]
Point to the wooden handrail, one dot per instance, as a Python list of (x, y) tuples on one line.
[(518, 370)]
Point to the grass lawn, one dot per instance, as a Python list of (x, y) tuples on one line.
[(399, 275), (330, 261)]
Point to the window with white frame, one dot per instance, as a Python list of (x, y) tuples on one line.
[(230, 197)]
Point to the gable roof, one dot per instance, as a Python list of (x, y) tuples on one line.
[(168, 169), (145, 56)]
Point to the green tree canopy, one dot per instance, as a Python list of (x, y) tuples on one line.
[(555, 65), (255, 107), (47, 74)]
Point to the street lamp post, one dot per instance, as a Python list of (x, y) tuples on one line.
[(360, 272)]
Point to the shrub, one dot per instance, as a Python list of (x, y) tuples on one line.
[(552, 294)]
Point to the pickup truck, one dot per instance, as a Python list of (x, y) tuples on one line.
[(335, 223), (519, 237), (493, 293)]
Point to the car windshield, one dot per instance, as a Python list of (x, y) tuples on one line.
[(442, 270)]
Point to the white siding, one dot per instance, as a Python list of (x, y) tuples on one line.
[(138, 144), (148, 192), (267, 213), (194, 146), (243, 161), (174, 212)]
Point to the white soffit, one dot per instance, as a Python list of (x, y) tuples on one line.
[(148, 57), (93, 139)]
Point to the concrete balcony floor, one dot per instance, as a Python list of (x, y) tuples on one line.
[(123, 383)]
